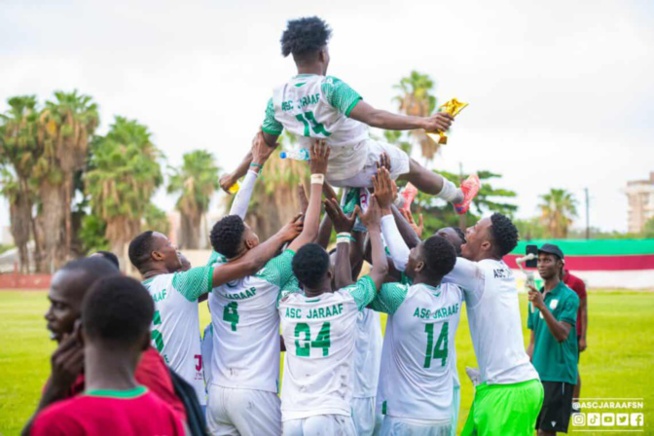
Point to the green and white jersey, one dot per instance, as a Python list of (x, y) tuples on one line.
[(494, 317), (416, 380), (314, 106), (246, 328), (176, 323), (367, 354), (320, 333)]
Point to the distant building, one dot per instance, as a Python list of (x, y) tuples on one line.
[(640, 194)]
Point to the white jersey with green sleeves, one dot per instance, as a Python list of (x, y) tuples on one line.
[(246, 327), (320, 333), (176, 323), (416, 380), (314, 106)]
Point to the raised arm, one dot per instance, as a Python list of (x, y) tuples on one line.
[(382, 119), (371, 219), (319, 157), (260, 153), (257, 257), (343, 225), (560, 329)]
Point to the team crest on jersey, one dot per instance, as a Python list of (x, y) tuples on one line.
[(553, 304)]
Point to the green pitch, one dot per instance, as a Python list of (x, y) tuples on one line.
[(621, 348)]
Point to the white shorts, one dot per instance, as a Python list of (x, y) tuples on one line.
[(399, 165), (246, 412), (365, 417), (320, 425), (400, 427)]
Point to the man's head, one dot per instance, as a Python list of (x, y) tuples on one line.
[(116, 315), (151, 250), (306, 38), (68, 287), (490, 238), (550, 262), (431, 259), (108, 255), (454, 236), (312, 267), (231, 237)]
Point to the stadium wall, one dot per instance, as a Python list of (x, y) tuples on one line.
[(601, 263)]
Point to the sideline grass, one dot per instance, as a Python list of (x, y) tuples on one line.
[(620, 340)]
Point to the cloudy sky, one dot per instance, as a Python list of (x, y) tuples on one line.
[(561, 93)]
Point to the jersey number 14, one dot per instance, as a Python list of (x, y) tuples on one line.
[(318, 128), (440, 350)]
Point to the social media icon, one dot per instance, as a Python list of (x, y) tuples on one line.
[(622, 419), (593, 419), (608, 419), (637, 420), (579, 419)]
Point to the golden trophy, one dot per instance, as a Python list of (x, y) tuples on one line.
[(452, 107)]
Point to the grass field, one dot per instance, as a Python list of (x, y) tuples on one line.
[(620, 340)]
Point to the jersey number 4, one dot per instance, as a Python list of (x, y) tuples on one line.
[(440, 350), (322, 340), (317, 127), (230, 314)]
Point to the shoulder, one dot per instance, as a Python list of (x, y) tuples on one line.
[(62, 411), (569, 294)]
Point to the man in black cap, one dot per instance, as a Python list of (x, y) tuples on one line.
[(553, 344)]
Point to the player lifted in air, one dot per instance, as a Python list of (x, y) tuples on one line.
[(314, 105)]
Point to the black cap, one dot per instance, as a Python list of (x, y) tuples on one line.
[(551, 249)]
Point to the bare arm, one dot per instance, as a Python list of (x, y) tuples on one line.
[(343, 268), (382, 119), (228, 180), (318, 163), (411, 238)]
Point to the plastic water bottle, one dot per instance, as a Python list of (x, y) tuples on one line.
[(300, 154)]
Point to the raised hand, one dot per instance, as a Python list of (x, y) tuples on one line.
[(384, 162), (292, 229), (319, 156), (438, 122), (227, 181), (383, 188), (341, 222), (418, 228), (372, 218), (260, 150)]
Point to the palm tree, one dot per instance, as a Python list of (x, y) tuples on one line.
[(125, 174), (415, 99), (558, 207), (196, 182), (19, 151), (67, 123)]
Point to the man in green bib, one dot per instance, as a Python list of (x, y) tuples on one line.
[(553, 344)]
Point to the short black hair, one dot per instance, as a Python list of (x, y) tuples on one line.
[(90, 270), (310, 264), (504, 234), (117, 309), (226, 235), (140, 249), (305, 36), (109, 256), (459, 233), (439, 256)]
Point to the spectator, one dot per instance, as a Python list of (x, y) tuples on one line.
[(578, 285), (116, 315), (67, 379), (553, 344)]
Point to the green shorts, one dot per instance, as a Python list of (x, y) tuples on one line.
[(505, 409)]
